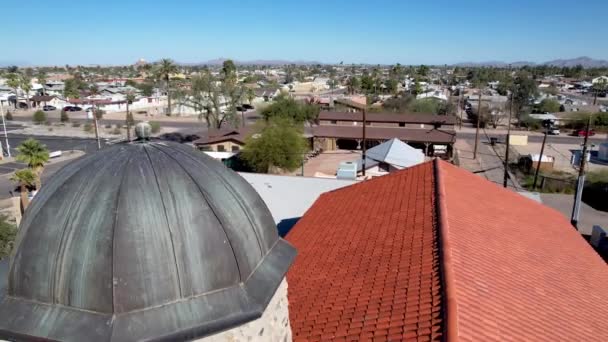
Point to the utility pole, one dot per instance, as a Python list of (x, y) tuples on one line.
[(8, 148), (477, 129), (458, 107), (364, 143), (95, 109), (540, 158), (506, 174), (580, 183)]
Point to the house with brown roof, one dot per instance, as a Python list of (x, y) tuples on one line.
[(433, 134), (224, 140), (435, 253)]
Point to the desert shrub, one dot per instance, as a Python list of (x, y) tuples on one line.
[(39, 117), (155, 126)]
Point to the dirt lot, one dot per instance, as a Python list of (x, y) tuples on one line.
[(562, 154)]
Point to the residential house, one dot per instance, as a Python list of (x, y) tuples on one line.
[(434, 94), (224, 140), (436, 253)]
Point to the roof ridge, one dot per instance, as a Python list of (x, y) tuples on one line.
[(445, 255)]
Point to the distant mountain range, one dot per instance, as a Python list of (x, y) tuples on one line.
[(220, 61), (586, 62)]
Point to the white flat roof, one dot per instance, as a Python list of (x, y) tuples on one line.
[(289, 197)]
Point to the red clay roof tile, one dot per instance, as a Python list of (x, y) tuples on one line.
[(517, 269), (368, 247), (369, 264)]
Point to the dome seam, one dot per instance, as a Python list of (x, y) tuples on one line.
[(61, 245), (116, 203), (236, 261), (238, 200), (171, 234)]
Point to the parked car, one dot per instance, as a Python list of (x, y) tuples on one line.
[(72, 108), (48, 108), (583, 132), (553, 131)]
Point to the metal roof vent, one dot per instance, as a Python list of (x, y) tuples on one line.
[(141, 242)]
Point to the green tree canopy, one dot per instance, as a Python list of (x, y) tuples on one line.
[(286, 107), (549, 106), (279, 144), (427, 105)]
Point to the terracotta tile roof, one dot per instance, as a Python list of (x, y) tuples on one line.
[(516, 269), (508, 268), (360, 275)]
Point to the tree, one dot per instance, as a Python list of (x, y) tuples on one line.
[(279, 144), (426, 105), (147, 89), (26, 179), (64, 116), (423, 70), (353, 84), (417, 87), (524, 89), (129, 116), (39, 117), (287, 107), (42, 79), (549, 106), (165, 70), (599, 87), (392, 86), (34, 154), (71, 89), (399, 104), (13, 81), (214, 100), (229, 72), (26, 86)]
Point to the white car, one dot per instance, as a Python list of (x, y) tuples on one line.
[(553, 131)]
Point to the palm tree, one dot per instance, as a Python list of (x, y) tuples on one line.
[(129, 118), (41, 76), (34, 154), (26, 179), (13, 81), (26, 86), (165, 70)]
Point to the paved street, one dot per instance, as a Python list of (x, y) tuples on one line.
[(553, 139)]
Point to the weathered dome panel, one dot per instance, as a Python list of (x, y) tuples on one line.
[(139, 241)]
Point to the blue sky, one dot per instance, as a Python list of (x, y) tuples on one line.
[(85, 32)]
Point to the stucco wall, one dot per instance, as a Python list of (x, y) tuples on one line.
[(272, 326)]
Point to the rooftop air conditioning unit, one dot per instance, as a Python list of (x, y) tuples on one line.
[(347, 170)]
